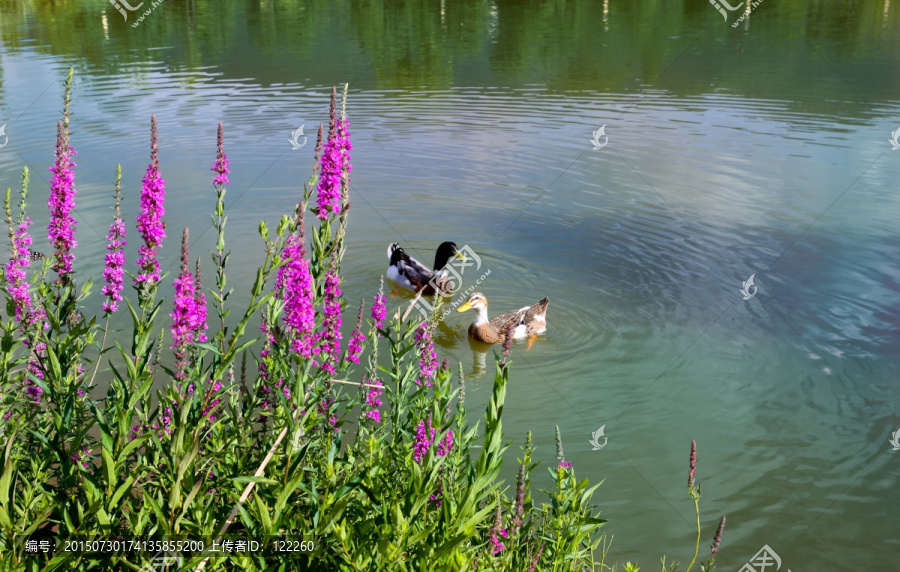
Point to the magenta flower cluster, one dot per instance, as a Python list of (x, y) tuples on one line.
[(211, 401), (221, 164), (61, 230), (354, 347), (114, 269), (164, 423), (188, 313), (324, 407), (373, 400), (149, 223), (379, 308), (496, 532), (336, 166), (428, 363), (82, 457), (16, 277), (494, 537), (330, 337), (425, 439), (296, 284)]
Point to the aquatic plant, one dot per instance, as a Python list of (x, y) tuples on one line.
[(370, 465)]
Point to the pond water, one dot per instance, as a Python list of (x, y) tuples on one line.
[(728, 151)]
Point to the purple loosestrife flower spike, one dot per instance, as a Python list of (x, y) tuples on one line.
[(149, 223), (61, 230), (318, 151), (425, 434), (330, 338), (114, 268), (336, 165), (379, 308), (717, 539), (537, 557), (200, 325), (19, 259), (295, 284), (693, 466), (497, 531), (187, 316), (424, 438), (354, 348), (373, 400), (519, 507), (428, 363), (221, 164), (560, 454), (332, 114)]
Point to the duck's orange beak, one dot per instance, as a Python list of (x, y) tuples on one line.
[(464, 307)]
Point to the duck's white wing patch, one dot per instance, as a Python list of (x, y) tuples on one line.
[(394, 275)]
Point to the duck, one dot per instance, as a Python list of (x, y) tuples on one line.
[(527, 321), (409, 273)]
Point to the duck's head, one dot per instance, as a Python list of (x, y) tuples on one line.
[(394, 253), (476, 301), (445, 252)]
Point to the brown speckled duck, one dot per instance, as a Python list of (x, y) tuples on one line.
[(528, 321)]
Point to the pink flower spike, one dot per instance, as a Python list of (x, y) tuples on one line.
[(61, 230), (335, 166), (221, 164), (114, 267), (149, 223), (188, 313), (379, 309), (354, 348), (428, 363), (16, 276)]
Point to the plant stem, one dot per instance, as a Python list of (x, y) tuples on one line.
[(102, 343), (697, 547)]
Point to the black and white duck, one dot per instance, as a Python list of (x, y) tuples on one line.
[(412, 275)]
